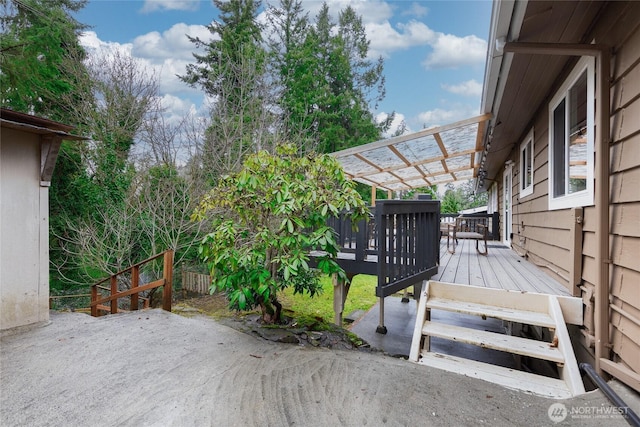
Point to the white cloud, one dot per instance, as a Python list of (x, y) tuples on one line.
[(437, 117), (164, 54), (168, 76), (175, 108), (468, 88), (169, 53), (442, 116), (369, 10), (395, 124), (386, 39), (416, 10), (92, 43), (153, 5), (170, 44), (450, 51)]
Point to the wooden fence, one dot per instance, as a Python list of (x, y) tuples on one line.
[(195, 282)]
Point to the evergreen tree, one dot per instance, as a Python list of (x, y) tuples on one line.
[(293, 64), (365, 85), (38, 38), (353, 81), (328, 84), (457, 198), (231, 71)]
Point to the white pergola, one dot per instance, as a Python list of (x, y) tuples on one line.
[(432, 156)]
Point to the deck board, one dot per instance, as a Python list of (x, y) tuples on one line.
[(502, 268), (476, 277), (509, 276)]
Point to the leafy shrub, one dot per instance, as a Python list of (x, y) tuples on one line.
[(267, 218)]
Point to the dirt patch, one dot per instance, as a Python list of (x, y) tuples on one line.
[(215, 306), (303, 331)]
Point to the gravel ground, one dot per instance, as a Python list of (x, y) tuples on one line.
[(153, 368)]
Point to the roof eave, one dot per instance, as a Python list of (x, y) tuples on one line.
[(506, 22)]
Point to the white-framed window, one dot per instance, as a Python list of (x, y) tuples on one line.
[(507, 200), (492, 202), (526, 165), (571, 135)]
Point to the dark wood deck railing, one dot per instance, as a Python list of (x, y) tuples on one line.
[(359, 247), (97, 301), (408, 243), (399, 243)]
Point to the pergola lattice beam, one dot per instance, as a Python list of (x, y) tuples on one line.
[(386, 163)]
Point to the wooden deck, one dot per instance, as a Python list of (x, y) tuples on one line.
[(502, 268)]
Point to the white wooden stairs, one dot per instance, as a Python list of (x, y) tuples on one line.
[(549, 311)]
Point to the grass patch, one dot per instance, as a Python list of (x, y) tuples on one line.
[(362, 296)]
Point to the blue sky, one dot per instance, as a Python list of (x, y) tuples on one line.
[(434, 51)]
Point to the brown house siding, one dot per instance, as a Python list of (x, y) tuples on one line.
[(541, 235), (546, 237), (621, 29)]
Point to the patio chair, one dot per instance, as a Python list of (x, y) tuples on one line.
[(471, 228)]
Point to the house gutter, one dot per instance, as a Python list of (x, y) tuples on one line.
[(507, 17), (603, 116)]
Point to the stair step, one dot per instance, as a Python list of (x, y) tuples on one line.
[(506, 377), (522, 307), (508, 343), (509, 314)]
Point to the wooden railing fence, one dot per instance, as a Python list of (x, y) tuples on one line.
[(195, 282), (399, 242), (408, 243), (97, 301)]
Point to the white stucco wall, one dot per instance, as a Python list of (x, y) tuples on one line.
[(24, 223)]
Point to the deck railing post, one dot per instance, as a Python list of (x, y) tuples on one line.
[(94, 298), (383, 255), (381, 222), (167, 274), (361, 240), (114, 291), (135, 280), (436, 238)]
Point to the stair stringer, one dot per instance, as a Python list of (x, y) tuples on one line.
[(570, 383), (570, 372)]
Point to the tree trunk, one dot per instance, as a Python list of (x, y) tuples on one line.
[(278, 314), (271, 311)]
